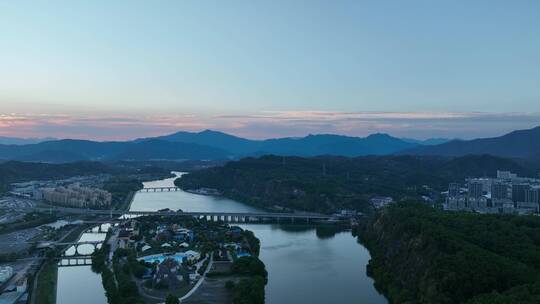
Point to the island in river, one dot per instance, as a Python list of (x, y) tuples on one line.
[(154, 258)]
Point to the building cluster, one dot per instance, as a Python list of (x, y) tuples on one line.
[(507, 193), (5, 273), (33, 189), (14, 290), (76, 196), (379, 202)]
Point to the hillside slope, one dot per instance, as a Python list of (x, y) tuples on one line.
[(326, 184), (423, 255)]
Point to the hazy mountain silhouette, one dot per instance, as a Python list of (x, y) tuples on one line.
[(428, 142), (72, 150), (212, 145), (311, 145), (22, 141), (517, 144)]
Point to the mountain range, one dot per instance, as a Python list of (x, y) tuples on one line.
[(22, 141), (214, 145), (205, 145), (311, 145), (517, 144)]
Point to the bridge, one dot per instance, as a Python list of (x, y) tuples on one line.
[(212, 216), (95, 244), (72, 261), (159, 189)]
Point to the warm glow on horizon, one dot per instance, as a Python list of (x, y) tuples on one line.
[(126, 69)]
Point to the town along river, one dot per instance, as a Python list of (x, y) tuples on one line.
[(306, 264)]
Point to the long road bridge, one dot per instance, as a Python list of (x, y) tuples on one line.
[(214, 216), (159, 189)]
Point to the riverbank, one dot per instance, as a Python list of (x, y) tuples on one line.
[(334, 271), (45, 292), (45, 281), (421, 254)]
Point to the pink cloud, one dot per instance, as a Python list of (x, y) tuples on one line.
[(266, 124)]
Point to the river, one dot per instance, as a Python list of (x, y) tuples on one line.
[(305, 264)]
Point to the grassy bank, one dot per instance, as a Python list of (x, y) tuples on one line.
[(46, 286)]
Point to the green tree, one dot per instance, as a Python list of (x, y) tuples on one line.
[(172, 299)]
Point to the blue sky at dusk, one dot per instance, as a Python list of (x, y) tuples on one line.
[(125, 69)]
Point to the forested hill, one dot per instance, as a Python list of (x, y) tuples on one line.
[(424, 255), (14, 171), (325, 184)]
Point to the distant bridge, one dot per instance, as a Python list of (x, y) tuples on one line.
[(159, 189), (214, 216)]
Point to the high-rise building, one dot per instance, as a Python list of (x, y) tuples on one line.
[(453, 190), (499, 191), (532, 195), (518, 192), (475, 189)]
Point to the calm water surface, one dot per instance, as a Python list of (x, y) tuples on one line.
[(79, 284), (305, 264)]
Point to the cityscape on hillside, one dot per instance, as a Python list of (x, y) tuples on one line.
[(507, 193)]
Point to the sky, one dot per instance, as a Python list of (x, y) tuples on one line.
[(115, 70)]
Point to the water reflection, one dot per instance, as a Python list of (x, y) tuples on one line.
[(305, 263)]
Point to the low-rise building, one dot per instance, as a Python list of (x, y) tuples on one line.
[(381, 201), (5, 273)]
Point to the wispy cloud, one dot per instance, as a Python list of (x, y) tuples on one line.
[(267, 124)]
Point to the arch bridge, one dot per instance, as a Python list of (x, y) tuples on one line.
[(76, 245)]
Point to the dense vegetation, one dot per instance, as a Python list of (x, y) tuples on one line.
[(424, 255), (118, 285), (325, 184), (121, 188), (46, 293), (249, 290)]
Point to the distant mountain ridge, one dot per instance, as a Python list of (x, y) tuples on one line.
[(311, 145), (214, 145), (23, 141), (204, 145), (69, 150), (429, 141), (517, 144)]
